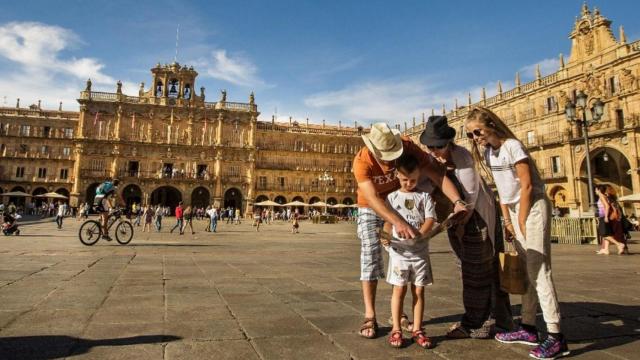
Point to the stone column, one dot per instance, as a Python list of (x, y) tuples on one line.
[(252, 131), (190, 129), (75, 189), (219, 129), (118, 121), (81, 121), (217, 194)]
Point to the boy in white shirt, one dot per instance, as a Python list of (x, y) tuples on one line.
[(409, 260)]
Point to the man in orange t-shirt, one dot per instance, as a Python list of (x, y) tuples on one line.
[(374, 170)]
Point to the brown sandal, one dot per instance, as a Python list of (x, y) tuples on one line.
[(369, 323), (457, 331), (421, 339), (405, 324), (395, 339)]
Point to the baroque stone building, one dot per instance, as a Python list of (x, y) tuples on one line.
[(168, 144), (604, 68)]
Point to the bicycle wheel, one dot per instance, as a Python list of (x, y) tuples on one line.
[(89, 232), (124, 232)]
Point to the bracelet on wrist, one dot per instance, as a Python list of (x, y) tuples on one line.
[(460, 201)]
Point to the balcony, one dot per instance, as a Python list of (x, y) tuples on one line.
[(304, 188), (186, 176)]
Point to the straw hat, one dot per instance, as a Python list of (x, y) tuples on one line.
[(383, 142)]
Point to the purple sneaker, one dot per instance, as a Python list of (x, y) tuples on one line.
[(520, 336), (551, 348)]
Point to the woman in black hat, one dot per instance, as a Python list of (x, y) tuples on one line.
[(476, 240)]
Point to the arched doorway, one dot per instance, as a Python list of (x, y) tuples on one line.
[(38, 200), (609, 166), (17, 201), (200, 197), (91, 193), (280, 199), (559, 199), (166, 196), (233, 198), (63, 191), (262, 198), (331, 201), (314, 199), (132, 194), (347, 201)]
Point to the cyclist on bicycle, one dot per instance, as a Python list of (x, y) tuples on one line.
[(103, 202)]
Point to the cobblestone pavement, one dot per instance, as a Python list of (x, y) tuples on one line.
[(242, 294)]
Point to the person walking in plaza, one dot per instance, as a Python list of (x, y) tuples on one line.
[(409, 262), (476, 240), (257, 218), (375, 171), (295, 223), (147, 214), (527, 220), (188, 220), (179, 219), (62, 210), (159, 213), (237, 217), (212, 213), (605, 223)]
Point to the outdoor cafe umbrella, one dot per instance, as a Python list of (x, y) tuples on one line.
[(340, 206), (296, 203), (319, 204), (16, 194), (267, 203), (51, 195)]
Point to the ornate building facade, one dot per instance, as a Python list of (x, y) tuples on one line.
[(602, 67), (168, 144)]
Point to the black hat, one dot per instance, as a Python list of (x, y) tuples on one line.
[(437, 132)]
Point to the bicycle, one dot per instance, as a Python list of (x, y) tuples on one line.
[(91, 230)]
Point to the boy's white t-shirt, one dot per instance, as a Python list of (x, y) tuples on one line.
[(415, 208), (502, 162)]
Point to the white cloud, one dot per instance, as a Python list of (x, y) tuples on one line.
[(547, 67), (393, 101), (39, 71), (236, 70)]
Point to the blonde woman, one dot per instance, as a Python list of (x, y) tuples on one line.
[(527, 219)]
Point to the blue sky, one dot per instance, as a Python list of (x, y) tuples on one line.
[(343, 60)]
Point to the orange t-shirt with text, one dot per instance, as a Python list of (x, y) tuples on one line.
[(366, 167)]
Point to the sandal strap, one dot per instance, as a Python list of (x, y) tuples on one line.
[(369, 323)]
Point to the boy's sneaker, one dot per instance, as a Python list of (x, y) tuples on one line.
[(520, 336), (551, 348)]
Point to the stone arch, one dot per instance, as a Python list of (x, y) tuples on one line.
[(132, 194), (91, 193), (332, 201), (608, 165), (233, 198), (200, 197), (63, 191), (314, 199), (166, 196), (261, 198), (280, 199), (298, 198), (347, 201), (38, 200)]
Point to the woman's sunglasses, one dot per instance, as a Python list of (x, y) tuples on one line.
[(476, 133)]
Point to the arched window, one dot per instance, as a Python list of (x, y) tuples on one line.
[(173, 88), (187, 92), (159, 89)]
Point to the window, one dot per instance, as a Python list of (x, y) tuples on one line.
[(42, 172), (262, 182), (66, 151), (613, 84), (64, 174), (20, 171), (551, 104), (44, 149), (298, 146), (461, 132), (68, 132), (25, 130), (620, 118), (556, 168), (281, 181), (531, 137), (24, 148), (46, 131)]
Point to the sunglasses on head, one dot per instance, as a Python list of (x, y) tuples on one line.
[(476, 133), (431, 147)]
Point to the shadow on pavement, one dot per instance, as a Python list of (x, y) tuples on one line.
[(59, 346), (164, 244)]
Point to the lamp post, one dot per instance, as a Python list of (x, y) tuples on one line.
[(596, 114), (326, 178)]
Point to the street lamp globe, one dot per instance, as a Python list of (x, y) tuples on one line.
[(598, 110), (570, 111), (581, 99)]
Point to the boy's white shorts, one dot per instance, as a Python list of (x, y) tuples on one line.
[(403, 271)]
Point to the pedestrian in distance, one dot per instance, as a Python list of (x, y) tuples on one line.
[(188, 220), (62, 209), (179, 219)]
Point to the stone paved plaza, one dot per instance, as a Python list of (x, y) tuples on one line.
[(238, 294)]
